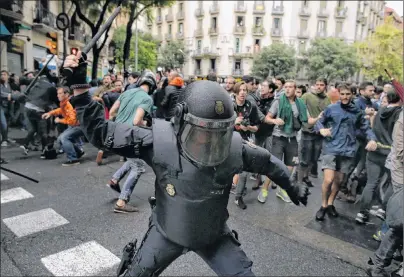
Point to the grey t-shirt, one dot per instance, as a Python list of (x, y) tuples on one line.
[(278, 130)]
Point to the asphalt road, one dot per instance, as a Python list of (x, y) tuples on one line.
[(65, 225)]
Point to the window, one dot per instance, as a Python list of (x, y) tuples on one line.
[(213, 44), (240, 20), (257, 46), (237, 65), (321, 26), (277, 4), (323, 5), (277, 23), (213, 64), (199, 44), (181, 7), (238, 45), (159, 12), (169, 28), (198, 64), (302, 46), (338, 28), (341, 4), (199, 24), (303, 24), (200, 4), (258, 21), (214, 22), (180, 28), (306, 3), (159, 31), (240, 4)]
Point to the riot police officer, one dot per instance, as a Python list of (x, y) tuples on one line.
[(194, 158)]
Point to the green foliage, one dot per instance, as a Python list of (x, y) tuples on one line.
[(274, 60), (147, 49), (383, 50), (331, 58), (172, 55)]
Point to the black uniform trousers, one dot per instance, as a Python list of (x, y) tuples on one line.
[(156, 253)]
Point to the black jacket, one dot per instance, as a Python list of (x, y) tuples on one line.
[(170, 100), (43, 94)]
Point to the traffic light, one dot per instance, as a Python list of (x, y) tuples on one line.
[(52, 42), (74, 50)]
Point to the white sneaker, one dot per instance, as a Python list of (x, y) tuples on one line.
[(4, 144)]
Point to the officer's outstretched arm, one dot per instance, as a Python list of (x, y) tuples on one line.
[(259, 160)]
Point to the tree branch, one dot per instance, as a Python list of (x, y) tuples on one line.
[(102, 14), (142, 9), (82, 16)]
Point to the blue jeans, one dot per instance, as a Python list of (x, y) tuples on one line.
[(3, 125), (68, 141), (136, 168)]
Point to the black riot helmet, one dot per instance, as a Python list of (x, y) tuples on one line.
[(147, 78), (204, 121)]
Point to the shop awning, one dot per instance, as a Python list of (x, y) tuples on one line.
[(4, 32)]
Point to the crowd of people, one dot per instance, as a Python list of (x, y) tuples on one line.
[(354, 130)]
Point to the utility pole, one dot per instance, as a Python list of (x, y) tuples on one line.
[(136, 47)]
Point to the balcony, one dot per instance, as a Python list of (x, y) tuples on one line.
[(240, 7), (12, 9), (198, 72), (210, 52), (149, 23), (239, 30), (340, 35), (199, 12), (77, 38), (213, 31), (303, 34), (214, 9), (197, 54), (278, 10), (259, 8), (180, 15), (276, 32), (237, 72), (159, 19), (258, 31), (321, 34), (322, 12), (169, 18), (304, 11), (340, 13), (169, 37), (198, 33), (180, 35), (44, 20)]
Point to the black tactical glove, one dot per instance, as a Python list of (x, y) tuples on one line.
[(76, 77), (298, 194), (19, 97)]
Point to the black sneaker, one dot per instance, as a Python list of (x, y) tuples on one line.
[(25, 149), (81, 154), (69, 163), (125, 209), (114, 186), (321, 214), (307, 181), (239, 202), (332, 211)]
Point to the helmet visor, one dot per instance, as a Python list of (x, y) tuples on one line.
[(207, 147)]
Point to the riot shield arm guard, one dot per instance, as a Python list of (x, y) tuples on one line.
[(259, 160)]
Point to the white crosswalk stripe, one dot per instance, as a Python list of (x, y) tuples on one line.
[(4, 177), (87, 259), (30, 223), (14, 194)]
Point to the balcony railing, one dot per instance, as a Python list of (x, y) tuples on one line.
[(169, 37), (322, 12), (159, 19), (12, 9), (238, 72), (169, 17), (341, 12), (303, 34), (259, 8), (180, 15), (277, 10), (214, 9), (321, 34), (198, 33), (197, 53), (276, 32), (199, 12), (239, 30), (213, 31), (240, 7), (304, 11), (258, 31), (198, 71), (44, 16), (180, 35), (211, 51), (340, 35)]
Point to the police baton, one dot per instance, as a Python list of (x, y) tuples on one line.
[(19, 174)]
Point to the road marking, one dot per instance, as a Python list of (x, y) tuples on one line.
[(15, 194), (87, 259), (4, 177), (30, 223)]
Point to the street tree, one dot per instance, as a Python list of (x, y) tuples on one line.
[(383, 50), (147, 49), (172, 55), (331, 58), (274, 60)]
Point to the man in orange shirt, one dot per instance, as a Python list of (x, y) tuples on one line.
[(69, 137)]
